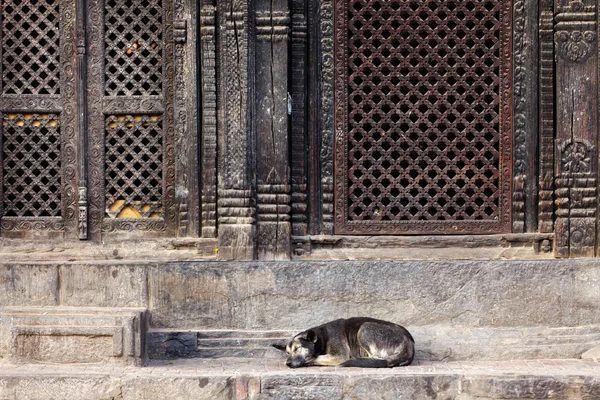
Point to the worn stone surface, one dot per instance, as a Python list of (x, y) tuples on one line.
[(73, 335), (433, 343), (255, 379), (169, 345), (114, 387), (28, 284), (65, 349), (121, 285), (592, 354), (297, 295)]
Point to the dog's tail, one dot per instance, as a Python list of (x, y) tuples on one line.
[(397, 360), (365, 363)]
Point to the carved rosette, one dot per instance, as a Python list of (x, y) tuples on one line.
[(575, 46)]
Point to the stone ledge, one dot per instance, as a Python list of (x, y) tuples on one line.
[(73, 335), (258, 379), (433, 343)]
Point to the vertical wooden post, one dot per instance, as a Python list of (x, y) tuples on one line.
[(82, 153), (236, 206), (546, 119), (525, 130), (576, 128), (208, 110), (299, 141), (271, 118)]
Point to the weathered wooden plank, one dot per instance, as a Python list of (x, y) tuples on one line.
[(576, 128), (271, 119)]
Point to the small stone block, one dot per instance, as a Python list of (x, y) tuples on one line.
[(73, 335), (592, 354)]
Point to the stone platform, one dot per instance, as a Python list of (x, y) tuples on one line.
[(248, 379), (185, 319)]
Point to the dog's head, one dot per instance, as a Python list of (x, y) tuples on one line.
[(300, 349)]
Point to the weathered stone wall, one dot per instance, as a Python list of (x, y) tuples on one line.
[(290, 295)]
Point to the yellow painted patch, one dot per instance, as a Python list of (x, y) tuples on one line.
[(129, 212)]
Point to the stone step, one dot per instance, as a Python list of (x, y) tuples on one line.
[(258, 379), (433, 343), (73, 335)]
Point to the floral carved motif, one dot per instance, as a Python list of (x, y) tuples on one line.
[(575, 46), (576, 157)]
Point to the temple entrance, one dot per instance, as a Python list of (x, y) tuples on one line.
[(423, 117)]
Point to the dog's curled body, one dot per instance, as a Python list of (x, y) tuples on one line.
[(352, 342)]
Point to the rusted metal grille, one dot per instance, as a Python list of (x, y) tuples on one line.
[(423, 137), (31, 165), (134, 154), (133, 48), (30, 47)]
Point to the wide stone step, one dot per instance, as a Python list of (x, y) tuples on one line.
[(257, 379), (433, 343)]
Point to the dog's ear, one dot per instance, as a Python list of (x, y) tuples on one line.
[(281, 345), (311, 336)]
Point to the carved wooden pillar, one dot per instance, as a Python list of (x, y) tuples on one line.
[(326, 111), (271, 119), (525, 97), (185, 125), (576, 128), (236, 206), (546, 119), (82, 153), (208, 108), (298, 91)]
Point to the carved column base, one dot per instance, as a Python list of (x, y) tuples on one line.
[(575, 228), (236, 225), (236, 242), (274, 241)]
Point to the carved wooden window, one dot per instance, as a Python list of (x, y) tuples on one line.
[(423, 116), (131, 66), (37, 113), (31, 144), (134, 166)]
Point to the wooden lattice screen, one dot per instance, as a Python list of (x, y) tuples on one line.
[(423, 131)]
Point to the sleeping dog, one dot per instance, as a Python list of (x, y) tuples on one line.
[(353, 342)]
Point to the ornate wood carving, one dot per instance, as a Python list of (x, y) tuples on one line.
[(38, 103), (326, 112), (273, 226), (423, 117), (131, 102), (525, 121), (546, 120), (82, 222), (208, 76), (299, 87), (576, 129), (183, 162)]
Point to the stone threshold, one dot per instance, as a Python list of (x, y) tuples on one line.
[(250, 379)]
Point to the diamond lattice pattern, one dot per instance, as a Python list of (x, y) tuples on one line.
[(31, 165), (134, 154), (423, 107), (133, 48), (30, 47)]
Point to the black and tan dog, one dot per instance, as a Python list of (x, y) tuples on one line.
[(353, 342)]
